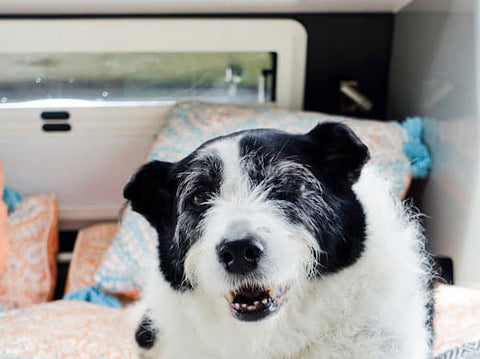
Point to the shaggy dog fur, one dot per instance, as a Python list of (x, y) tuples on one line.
[(274, 245)]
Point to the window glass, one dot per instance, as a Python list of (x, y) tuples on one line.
[(245, 77)]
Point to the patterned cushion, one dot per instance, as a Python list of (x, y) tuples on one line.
[(191, 123), (90, 246), (71, 329), (3, 226), (66, 329), (466, 351), (121, 270), (30, 272), (457, 321)]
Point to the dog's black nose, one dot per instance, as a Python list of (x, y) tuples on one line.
[(240, 255)]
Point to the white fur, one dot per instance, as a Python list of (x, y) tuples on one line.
[(373, 309)]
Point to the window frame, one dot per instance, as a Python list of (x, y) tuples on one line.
[(287, 38)]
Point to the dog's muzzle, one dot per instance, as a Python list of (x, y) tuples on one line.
[(241, 255)]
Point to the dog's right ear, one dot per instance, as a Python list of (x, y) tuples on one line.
[(340, 153), (150, 189)]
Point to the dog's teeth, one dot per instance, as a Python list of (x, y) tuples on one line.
[(264, 301), (271, 292), (251, 307), (244, 305), (256, 303)]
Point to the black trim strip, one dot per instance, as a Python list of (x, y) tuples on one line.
[(56, 127), (55, 115)]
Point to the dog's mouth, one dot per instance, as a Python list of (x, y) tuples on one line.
[(251, 303)]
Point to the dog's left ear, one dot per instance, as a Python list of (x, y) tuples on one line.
[(150, 190), (339, 152)]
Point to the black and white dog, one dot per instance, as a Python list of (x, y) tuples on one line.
[(275, 245)]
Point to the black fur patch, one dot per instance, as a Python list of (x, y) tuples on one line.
[(334, 155), (173, 197), (146, 334)]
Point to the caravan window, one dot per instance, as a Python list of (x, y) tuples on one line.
[(225, 77)]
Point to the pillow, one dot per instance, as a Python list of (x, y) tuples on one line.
[(30, 272), (3, 226), (121, 270), (67, 329), (456, 322), (191, 123), (90, 245)]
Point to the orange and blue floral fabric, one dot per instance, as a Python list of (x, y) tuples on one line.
[(30, 271)]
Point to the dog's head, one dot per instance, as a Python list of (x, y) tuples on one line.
[(255, 215)]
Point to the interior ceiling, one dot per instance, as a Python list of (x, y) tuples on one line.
[(196, 6)]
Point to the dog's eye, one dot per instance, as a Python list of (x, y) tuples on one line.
[(197, 200), (200, 198)]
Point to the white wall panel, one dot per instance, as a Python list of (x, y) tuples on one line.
[(85, 168), (434, 73)]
